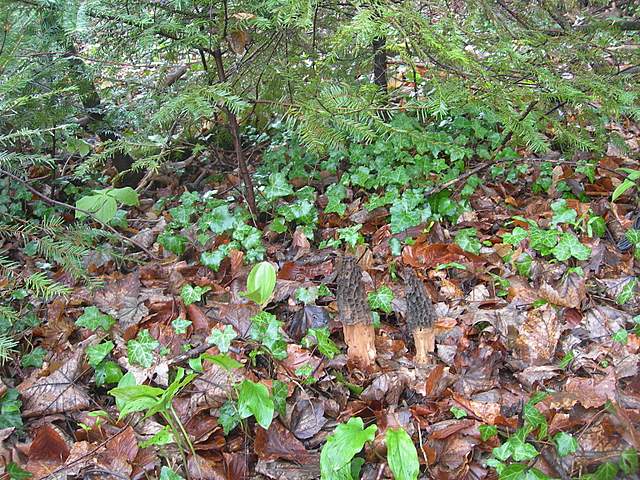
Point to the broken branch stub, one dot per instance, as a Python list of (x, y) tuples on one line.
[(420, 316), (355, 314)]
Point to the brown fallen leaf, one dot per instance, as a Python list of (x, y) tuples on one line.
[(280, 470), (569, 293), (120, 300), (279, 443), (307, 418), (538, 337), (58, 392), (593, 392)]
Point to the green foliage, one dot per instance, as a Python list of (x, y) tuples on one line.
[(17, 473), (140, 350), (321, 338), (35, 358), (103, 204), (381, 299), (191, 294), (628, 290), (402, 455), (341, 446), (487, 432), (261, 283), (97, 353), (222, 338), (93, 319), (467, 239), (228, 416), (266, 329), (168, 474), (254, 400), (566, 444), (458, 412), (10, 409), (628, 183)]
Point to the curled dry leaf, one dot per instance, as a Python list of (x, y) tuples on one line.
[(307, 418)]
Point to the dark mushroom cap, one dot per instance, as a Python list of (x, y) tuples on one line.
[(353, 306), (420, 311)]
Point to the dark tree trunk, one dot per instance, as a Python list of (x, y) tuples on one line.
[(380, 63)]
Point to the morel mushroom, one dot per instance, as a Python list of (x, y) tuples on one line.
[(355, 314), (420, 316)]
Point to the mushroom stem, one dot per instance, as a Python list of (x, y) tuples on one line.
[(425, 341), (360, 340)]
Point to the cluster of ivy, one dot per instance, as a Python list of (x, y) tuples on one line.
[(215, 219)]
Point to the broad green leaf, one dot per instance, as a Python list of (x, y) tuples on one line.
[(566, 444), (342, 445), (126, 195), (621, 189), (191, 294), (515, 471), (140, 350), (16, 473), (92, 318), (541, 240), (308, 296), (35, 358), (97, 353), (222, 360), (102, 207), (279, 393), (402, 455), (222, 338), (606, 471), (534, 419), (107, 372), (351, 235), (562, 213), (381, 299), (567, 359), (220, 219), (409, 211), (254, 399), (261, 283)]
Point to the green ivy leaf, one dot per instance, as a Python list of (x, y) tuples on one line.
[(342, 445), (606, 471), (402, 455), (97, 353), (17, 473), (279, 393), (222, 338), (566, 444), (167, 474), (351, 235), (326, 346), (140, 350), (278, 186), (569, 246), (265, 328), (220, 219), (516, 236), (174, 243), (335, 194), (409, 211), (180, 325), (627, 291), (254, 399), (467, 239), (10, 410), (458, 412), (621, 336), (35, 358), (542, 241), (308, 296), (228, 417), (534, 419), (381, 299), (213, 259), (629, 461), (92, 318), (191, 294), (562, 213), (487, 432)]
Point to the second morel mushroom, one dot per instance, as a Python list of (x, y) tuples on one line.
[(355, 314), (420, 316)]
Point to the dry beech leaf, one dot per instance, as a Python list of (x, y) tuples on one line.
[(570, 293), (307, 418), (120, 300)]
